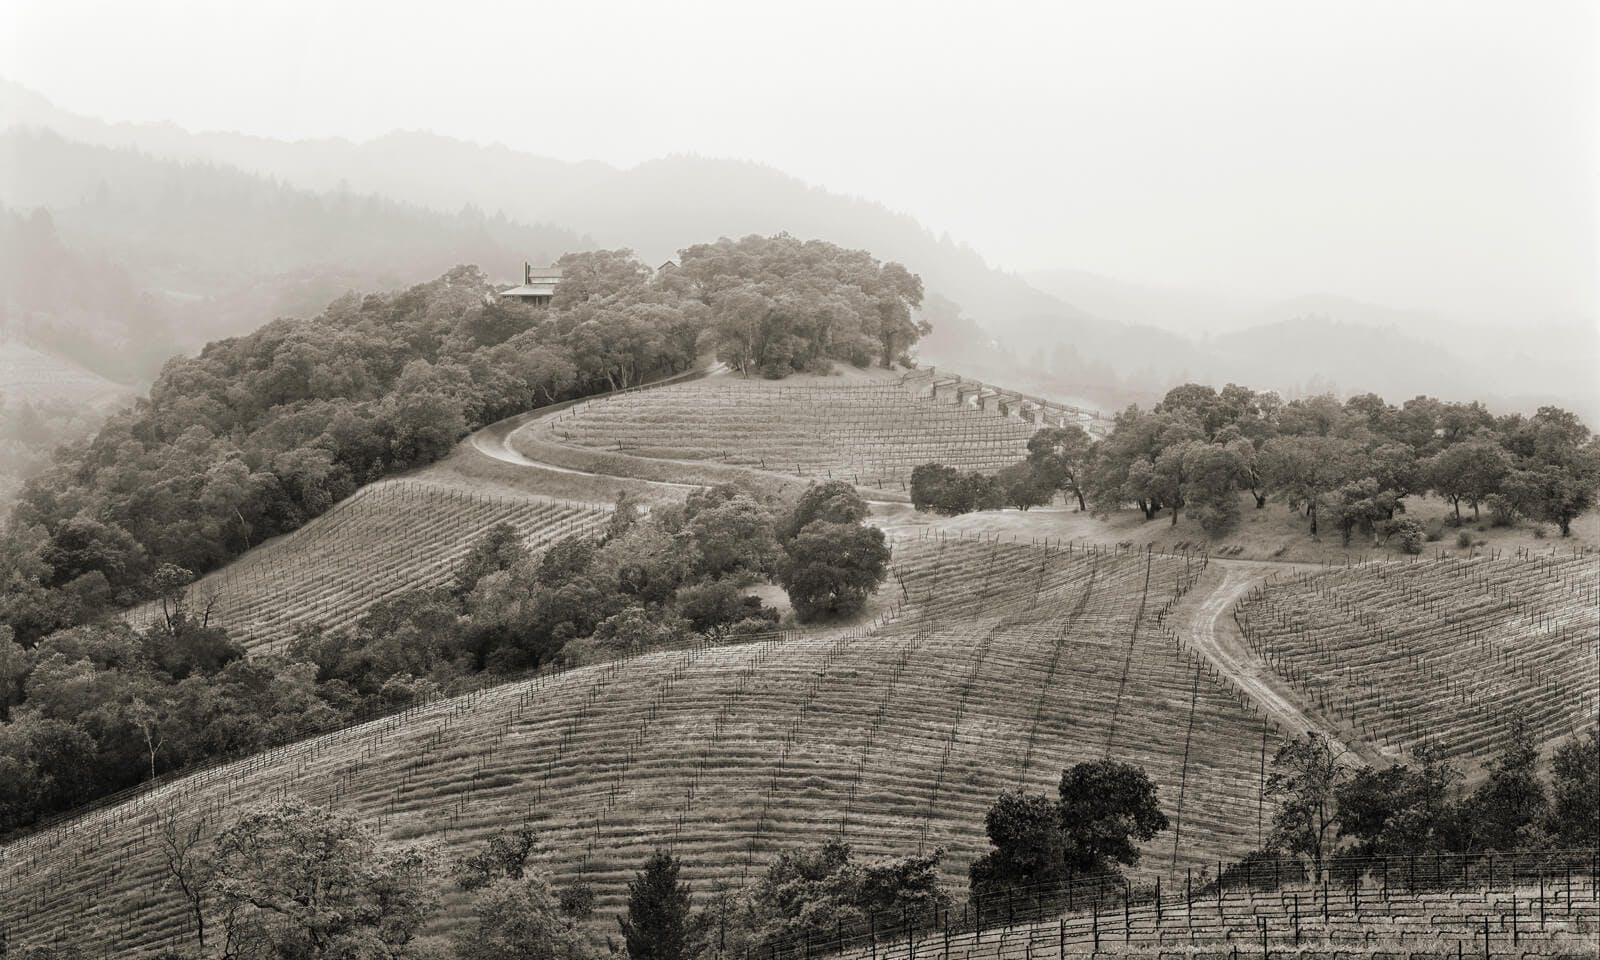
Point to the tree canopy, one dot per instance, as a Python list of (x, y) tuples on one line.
[(779, 305), (832, 561), (1102, 811)]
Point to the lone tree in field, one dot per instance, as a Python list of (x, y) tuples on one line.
[(189, 870), (1029, 845), (504, 856), (1023, 485), (1305, 781), (1103, 810), (1107, 809), (832, 561), (1470, 470), (659, 925)]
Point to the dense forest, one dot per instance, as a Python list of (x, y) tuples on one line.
[(779, 305), (1350, 465), (259, 433)]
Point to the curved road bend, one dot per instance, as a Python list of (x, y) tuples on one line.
[(1209, 629)]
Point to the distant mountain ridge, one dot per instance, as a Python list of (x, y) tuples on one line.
[(655, 208), (1316, 342), (1062, 331), (118, 258)]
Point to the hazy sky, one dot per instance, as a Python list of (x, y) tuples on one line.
[(1438, 154)]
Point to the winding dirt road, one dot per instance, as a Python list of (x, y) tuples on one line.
[(494, 441), (1205, 624), (1202, 618)]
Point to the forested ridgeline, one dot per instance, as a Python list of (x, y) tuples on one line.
[(260, 433)]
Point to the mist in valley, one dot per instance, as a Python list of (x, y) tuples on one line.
[(1102, 206)]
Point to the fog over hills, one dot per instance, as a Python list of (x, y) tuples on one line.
[(1318, 342), (390, 210)]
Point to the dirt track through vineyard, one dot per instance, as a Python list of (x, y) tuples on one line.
[(1203, 620)]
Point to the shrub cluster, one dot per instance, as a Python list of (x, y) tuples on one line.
[(1326, 806), (949, 491)]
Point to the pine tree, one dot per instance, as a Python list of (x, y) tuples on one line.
[(658, 925)]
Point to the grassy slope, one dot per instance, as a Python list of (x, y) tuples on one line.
[(1273, 533), (865, 426), (1438, 650), (1006, 663), (29, 374), (390, 537), (598, 758)]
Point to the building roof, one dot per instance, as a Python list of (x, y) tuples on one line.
[(543, 288)]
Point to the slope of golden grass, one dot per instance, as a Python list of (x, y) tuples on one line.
[(1005, 664)]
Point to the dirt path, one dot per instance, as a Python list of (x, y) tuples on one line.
[(1204, 621), (1203, 618), (494, 441)]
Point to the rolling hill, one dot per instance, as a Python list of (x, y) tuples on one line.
[(871, 431), (1442, 651), (655, 208), (987, 665), (119, 259), (390, 538), (1000, 664), (1109, 340), (30, 374)]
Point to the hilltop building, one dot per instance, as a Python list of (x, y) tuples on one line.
[(538, 285)]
